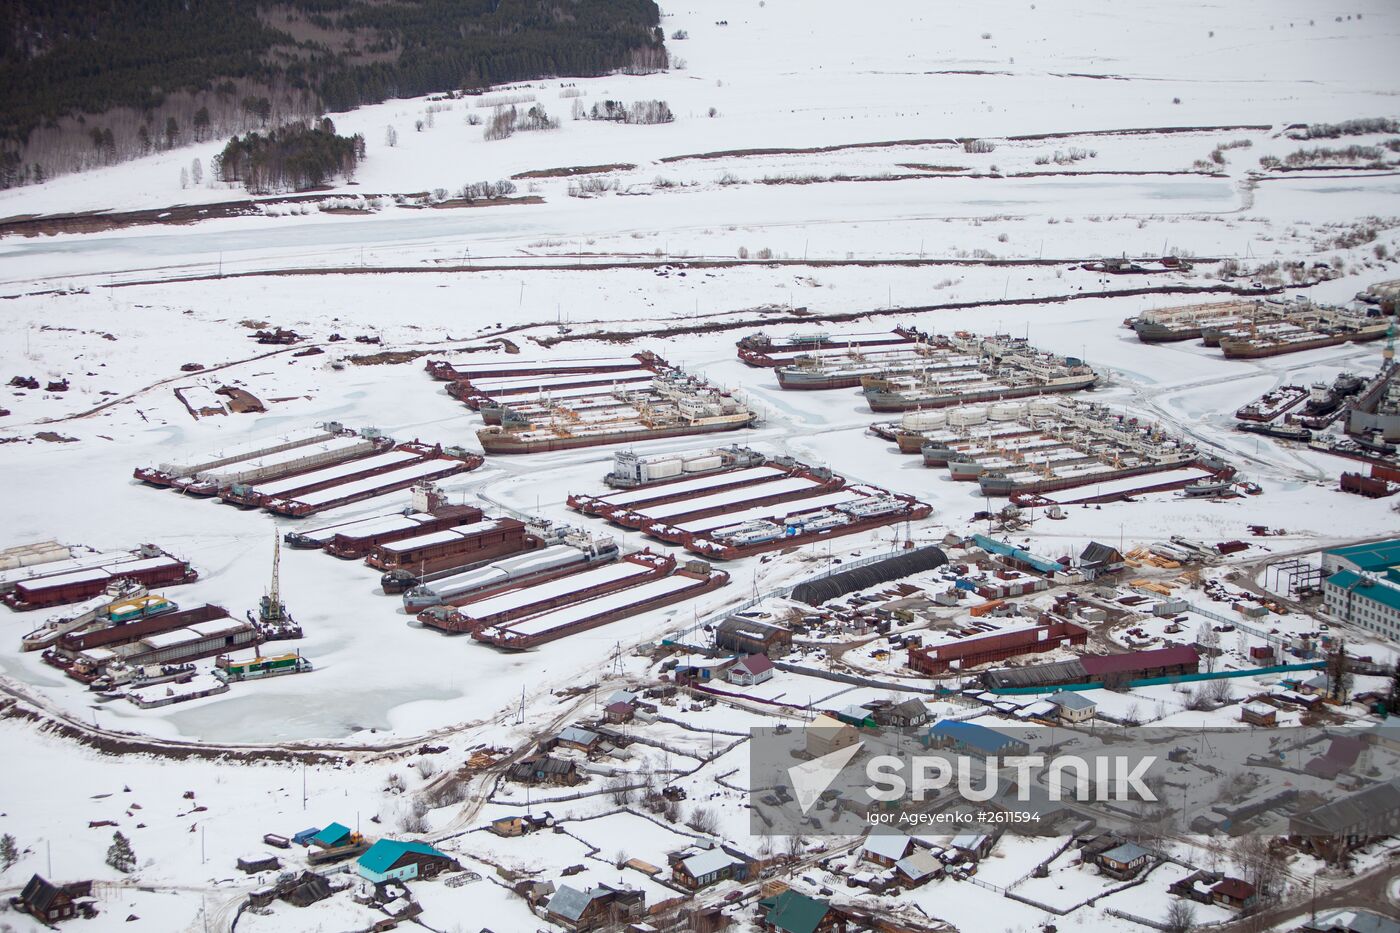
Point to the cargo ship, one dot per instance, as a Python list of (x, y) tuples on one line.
[(1004, 425), (999, 383), (678, 406), (845, 369), (1187, 322), (631, 470), (1329, 329), (762, 351), (999, 484), (784, 488)]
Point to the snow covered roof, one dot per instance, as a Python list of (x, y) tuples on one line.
[(1126, 853), (1070, 700), (707, 863), (888, 846), (918, 866), (570, 903)]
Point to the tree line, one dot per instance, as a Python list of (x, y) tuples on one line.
[(85, 83)]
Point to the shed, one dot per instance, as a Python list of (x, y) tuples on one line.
[(816, 592), (333, 835)]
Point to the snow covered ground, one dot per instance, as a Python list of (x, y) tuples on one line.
[(927, 227)]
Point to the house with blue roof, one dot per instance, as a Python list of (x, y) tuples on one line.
[(398, 860), (1363, 588), (973, 739)]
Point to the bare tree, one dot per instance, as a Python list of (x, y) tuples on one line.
[(1181, 917), (391, 137), (703, 820), (620, 789), (196, 172)]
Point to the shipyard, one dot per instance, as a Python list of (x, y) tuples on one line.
[(540, 467)]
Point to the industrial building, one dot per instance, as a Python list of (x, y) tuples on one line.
[(971, 652), (816, 592), (1104, 670), (1363, 588), (750, 636)]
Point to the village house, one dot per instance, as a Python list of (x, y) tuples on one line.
[(919, 867), (1073, 707), (397, 860), (594, 908), (754, 669), (975, 846), (885, 849), (904, 715), (1235, 894), (49, 903), (545, 769), (619, 712), (584, 740), (826, 735), (1124, 861), (792, 912), (706, 868)]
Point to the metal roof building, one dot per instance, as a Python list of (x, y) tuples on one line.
[(816, 592)]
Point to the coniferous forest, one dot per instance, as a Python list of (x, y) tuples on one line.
[(91, 82)]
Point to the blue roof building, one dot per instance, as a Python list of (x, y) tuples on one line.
[(333, 835), (1018, 555), (397, 860), (974, 739), (1367, 600)]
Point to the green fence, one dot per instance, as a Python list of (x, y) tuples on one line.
[(1177, 679)]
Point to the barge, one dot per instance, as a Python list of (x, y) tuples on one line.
[(693, 580), (657, 493), (521, 569), (165, 474), (259, 667), (443, 463), (771, 492), (527, 599), (284, 463), (357, 543), (846, 369), (449, 370), (493, 393), (452, 547), (76, 586), (255, 495)]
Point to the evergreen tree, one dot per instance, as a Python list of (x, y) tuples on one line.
[(196, 173), (1339, 677), (119, 854), (9, 851), (1392, 702)]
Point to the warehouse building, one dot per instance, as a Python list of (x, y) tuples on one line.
[(1363, 586), (971, 652), (816, 592), (1106, 670)]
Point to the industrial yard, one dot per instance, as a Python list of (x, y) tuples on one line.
[(377, 557)]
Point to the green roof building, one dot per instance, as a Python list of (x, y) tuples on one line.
[(395, 860), (791, 912)]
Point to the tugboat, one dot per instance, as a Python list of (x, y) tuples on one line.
[(275, 623)]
